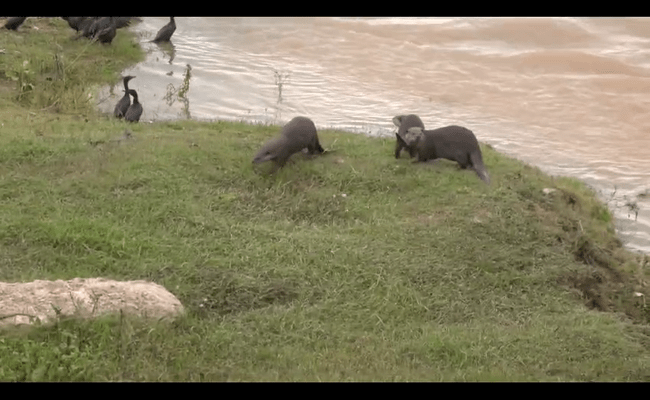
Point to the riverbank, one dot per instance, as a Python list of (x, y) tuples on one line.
[(351, 266)]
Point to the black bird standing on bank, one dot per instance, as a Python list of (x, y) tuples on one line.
[(123, 105), (165, 33), (106, 34), (74, 22), (85, 25), (121, 22), (135, 110), (99, 25), (14, 22)]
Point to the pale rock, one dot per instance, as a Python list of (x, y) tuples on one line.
[(26, 303)]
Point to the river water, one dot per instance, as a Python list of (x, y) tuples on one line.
[(569, 95)]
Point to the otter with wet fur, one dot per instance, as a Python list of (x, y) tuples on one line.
[(453, 142), (403, 123), (296, 135)]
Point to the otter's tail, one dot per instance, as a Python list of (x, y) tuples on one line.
[(477, 164)]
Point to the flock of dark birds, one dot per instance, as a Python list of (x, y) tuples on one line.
[(103, 30)]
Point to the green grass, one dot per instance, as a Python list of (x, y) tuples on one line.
[(350, 266), (44, 68)]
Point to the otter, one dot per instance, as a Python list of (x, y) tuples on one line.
[(404, 122), (453, 142), (296, 135)]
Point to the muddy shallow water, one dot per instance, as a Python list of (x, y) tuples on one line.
[(569, 95)]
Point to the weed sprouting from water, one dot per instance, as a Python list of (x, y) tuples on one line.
[(280, 80), (180, 94), (632, 206)]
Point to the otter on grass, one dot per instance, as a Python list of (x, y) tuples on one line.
[(404, 122), (298, 134), (453, 142)]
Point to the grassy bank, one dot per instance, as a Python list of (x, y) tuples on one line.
[(351, 266)]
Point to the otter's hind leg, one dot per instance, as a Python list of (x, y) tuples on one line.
[(315, 147), (464, 161), (399, 146)]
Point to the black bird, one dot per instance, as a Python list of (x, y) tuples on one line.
[(107, 34), (74, 22), (14, 22), (166, 32), (121, 22), (85, 26), (99, 25), (84, 23), (90, 27), (123, 105), (135, 110)]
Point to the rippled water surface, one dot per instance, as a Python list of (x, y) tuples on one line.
[(570, 95)]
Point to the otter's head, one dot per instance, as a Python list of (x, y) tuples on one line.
[(268, 152), (412, 135), (405, 122)]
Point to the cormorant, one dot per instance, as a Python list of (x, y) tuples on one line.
[(98, 25), (121, 22), (85, 26), (14, 22), (135, 110), (107, 34), (166, 32), (123, 105), (74, 22)]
